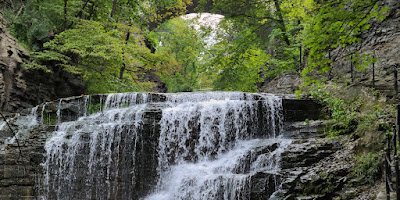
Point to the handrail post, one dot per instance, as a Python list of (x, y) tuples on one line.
[(396, 161), (300, 58), (373, 74), (352, 69), (330, 66), (387, 163), (396, 89), (396, 166)]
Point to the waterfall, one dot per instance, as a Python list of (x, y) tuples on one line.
[(212, 145), (85, 158), (24, 124)]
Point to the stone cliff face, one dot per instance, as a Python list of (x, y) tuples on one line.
[(11, 62), (21, 88), (382, 41), (285, 83)]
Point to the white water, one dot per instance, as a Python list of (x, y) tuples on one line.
[(210, 146), (204, 139), (24, 125), (101, 134), (219, 178)]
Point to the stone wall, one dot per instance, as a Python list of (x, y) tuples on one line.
[(20, 166)]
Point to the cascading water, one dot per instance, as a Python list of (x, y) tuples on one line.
[(86, 158), (207, 144), (212, 145)]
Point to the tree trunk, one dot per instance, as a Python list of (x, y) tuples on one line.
[(122, 70), (83, 8), (282, 25), (114, 7), (65, 14)]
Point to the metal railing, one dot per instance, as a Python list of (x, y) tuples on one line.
[(392, 160)]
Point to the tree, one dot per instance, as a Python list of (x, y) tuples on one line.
[(176, 38), (237, 59), (103, 40), (252, 26), (104, 54)]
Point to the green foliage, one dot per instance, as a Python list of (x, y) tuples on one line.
[(94, 108), (350, 110), (181, 73), (237, 59), (366, 169), (32, 26), (337, 25), (42, 59), (101, 83), (269, 28), (102, 40), (178, 83), (104, 55), (105, 41), (287, 63), (50, 118), (342, 115), (240, 71)]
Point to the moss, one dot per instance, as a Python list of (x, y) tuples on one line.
[(366, 170), (325, 184), (94, 108), (50, 118)]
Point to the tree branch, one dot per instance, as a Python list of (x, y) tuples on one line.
[(14, 134)]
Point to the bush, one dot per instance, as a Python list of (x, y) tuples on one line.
[(366, 169)]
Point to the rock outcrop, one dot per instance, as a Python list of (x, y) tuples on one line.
[(22, 88), (285, 83)]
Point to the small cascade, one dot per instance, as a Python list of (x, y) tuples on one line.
[(211, 145), (228, 176), (120, 100), (205, 139), (24, 124), (88, 158), (34, 116), (197, 127)]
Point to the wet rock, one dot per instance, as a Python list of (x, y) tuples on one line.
[(294, 110), (285, 83), (263, 185), (304, 130), (306, 153), (326, 176)]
